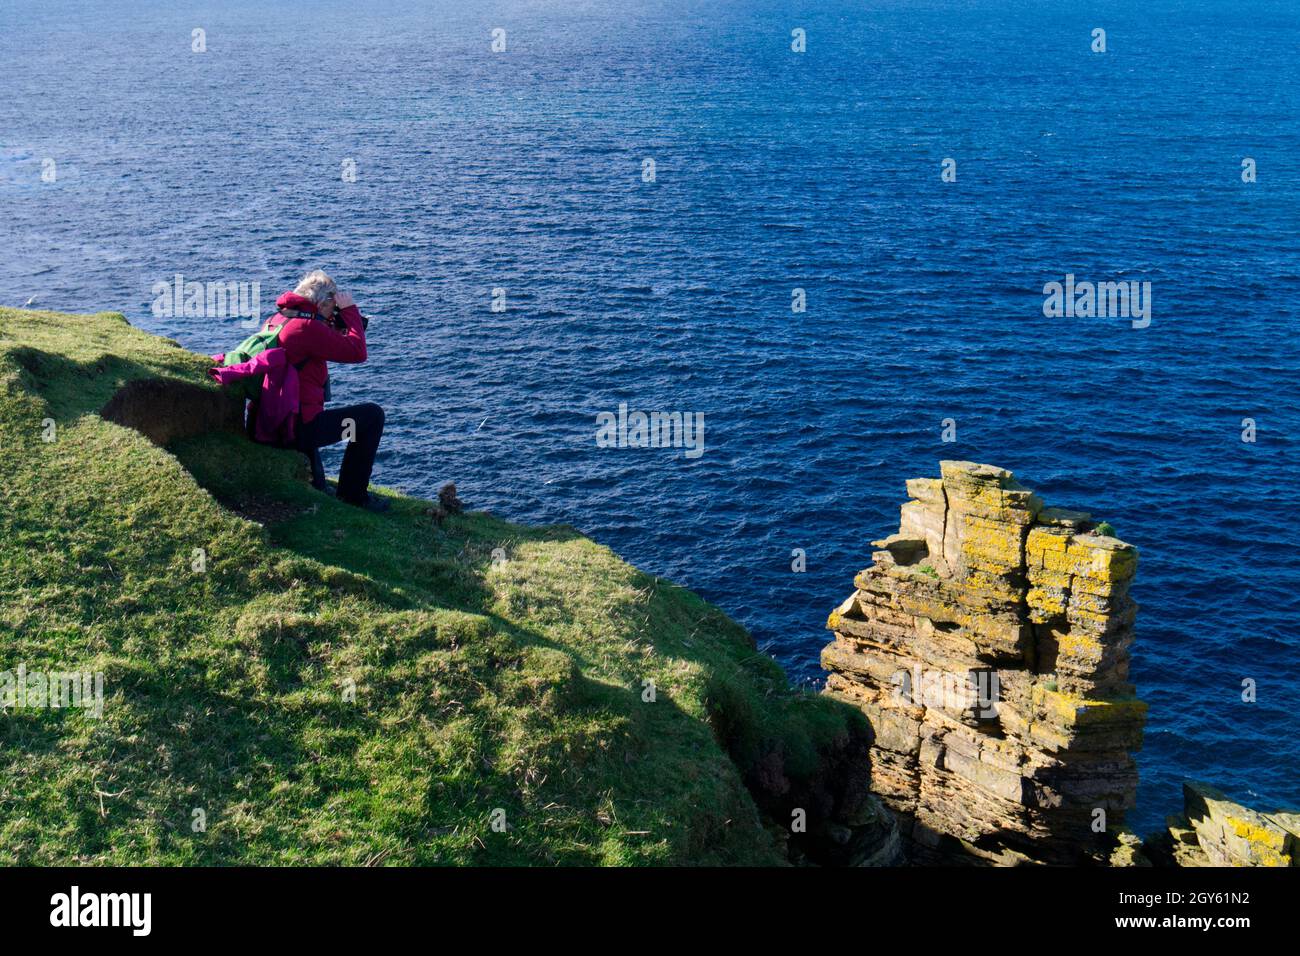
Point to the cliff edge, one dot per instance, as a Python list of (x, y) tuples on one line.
[(288, 680)]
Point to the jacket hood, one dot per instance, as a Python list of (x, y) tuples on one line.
[(293, 302)]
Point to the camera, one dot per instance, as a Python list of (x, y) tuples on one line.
[(338, 323), (336, 320)]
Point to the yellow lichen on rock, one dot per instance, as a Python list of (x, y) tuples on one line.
[(977, 590), (1215, 831)]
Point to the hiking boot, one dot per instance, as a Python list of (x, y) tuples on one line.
[(370, 503)]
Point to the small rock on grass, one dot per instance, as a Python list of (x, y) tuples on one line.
[(447, 498)]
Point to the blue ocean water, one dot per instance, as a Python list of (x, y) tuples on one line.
[(522, 170)]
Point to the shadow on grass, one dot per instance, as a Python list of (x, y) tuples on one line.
[(794, 751), (131, 393)]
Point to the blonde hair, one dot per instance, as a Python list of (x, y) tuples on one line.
[(316, 286)]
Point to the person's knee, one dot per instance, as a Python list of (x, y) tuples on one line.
[(370, 417)]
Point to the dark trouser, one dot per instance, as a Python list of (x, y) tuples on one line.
[(359, 458)]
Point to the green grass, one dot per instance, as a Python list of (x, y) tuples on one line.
[(481, 685)]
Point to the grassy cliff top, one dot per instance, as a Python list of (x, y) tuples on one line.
[(481, 685)]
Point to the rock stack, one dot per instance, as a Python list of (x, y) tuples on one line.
[(988, 646)]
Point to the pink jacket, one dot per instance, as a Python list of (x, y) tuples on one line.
[(279, 399), (311, 343)]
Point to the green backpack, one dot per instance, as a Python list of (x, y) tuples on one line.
[(267, 338)]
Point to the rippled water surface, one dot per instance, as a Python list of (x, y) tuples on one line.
[(522, 170)]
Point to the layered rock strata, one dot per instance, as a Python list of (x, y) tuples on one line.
[(988, 645), (1215, 831)]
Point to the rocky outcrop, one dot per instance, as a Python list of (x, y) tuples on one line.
[(1214, 831), (988, 645)]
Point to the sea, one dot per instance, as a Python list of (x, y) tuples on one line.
[(825, 230)]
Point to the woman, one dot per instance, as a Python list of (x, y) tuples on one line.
[(327, 327)]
